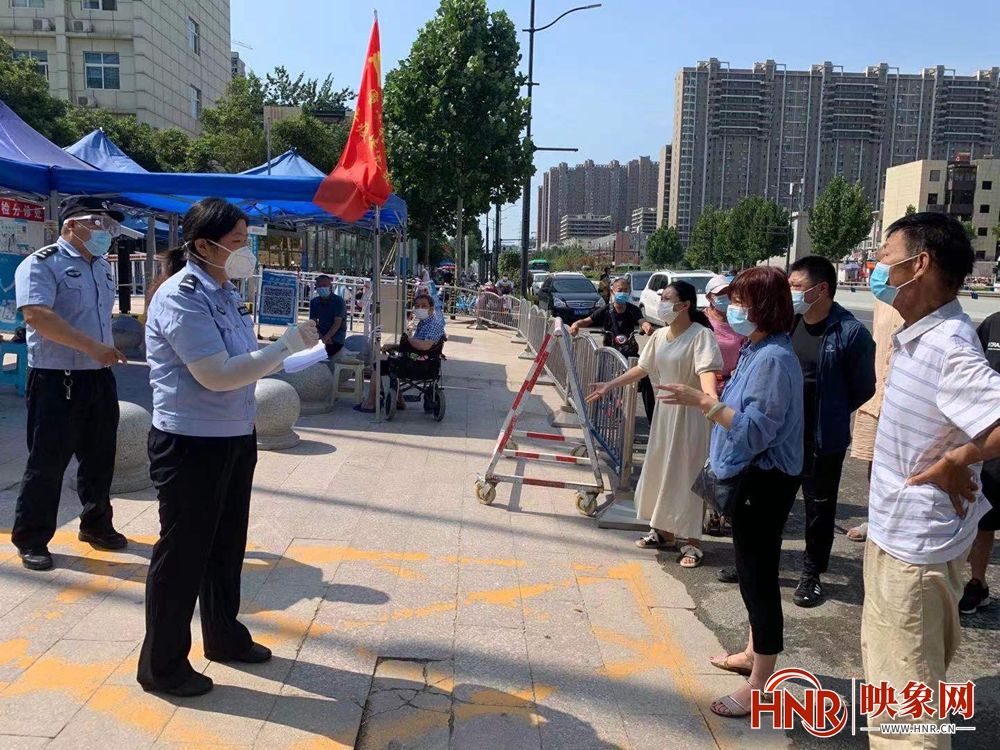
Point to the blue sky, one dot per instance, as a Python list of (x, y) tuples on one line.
[(607, 75)]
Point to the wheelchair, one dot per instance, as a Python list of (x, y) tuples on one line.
[(422, 375)]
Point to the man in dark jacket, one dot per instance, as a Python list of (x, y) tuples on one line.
[(837, 355)]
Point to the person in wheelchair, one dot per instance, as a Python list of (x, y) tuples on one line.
[(418, 352)]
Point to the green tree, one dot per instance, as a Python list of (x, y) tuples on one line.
[(911, 209), (707, 246), (26, 91), (173, 147), (840, 219), (136, 139), (663, 249), (757, 229), (319, 144), (454, 115), (970, 230), (509, 264), (280, 89), (232, 135)]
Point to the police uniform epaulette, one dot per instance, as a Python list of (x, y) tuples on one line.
[(47, 252), (189, 283)]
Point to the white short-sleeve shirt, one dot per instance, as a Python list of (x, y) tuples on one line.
[(940, 394)]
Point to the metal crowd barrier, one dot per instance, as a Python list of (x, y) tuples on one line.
[(498, 310), (612, 418)]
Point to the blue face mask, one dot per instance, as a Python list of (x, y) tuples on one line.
[(323, 291), (721, 303), (99, 242), (879, 282), (621, 298), (737, 317)]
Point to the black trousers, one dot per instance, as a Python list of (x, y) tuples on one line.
[(84, 425), (820, 487), (759, 516), (204, 486), (648, 398)]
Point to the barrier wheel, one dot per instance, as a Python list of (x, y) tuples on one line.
[(579, 451), (439, 406), (486, 493), (586, 503)]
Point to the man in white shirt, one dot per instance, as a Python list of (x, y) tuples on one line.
[(938, 423)]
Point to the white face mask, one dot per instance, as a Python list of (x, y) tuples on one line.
[(421, 313), (667, 313), (240, 264)]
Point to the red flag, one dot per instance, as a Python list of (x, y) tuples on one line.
[(361, 177)]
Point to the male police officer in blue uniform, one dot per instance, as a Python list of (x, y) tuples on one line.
[(66, 292)]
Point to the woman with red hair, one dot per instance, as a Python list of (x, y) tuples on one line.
[(756, 447)]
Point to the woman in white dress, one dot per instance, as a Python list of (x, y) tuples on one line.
[(685, 351)]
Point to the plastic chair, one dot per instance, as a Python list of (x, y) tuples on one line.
[(16, 374), (356, 370)]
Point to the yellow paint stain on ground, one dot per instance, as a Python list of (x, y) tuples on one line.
[(277, 628), (53, 615), (53, 674), (489, 561), (512, 596), (320, 743), (649, 655), (407, 574), (125, 706), (321, 555), (15, 653), (71, 593), (392, 730)]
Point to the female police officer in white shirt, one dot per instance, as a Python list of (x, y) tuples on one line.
[(204, 360)]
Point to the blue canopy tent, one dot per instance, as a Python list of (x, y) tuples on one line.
[(288, 164), (99, 151), (19, 142)]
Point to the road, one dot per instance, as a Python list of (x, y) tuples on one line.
[(861, 303)]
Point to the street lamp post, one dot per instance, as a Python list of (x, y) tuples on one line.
[(526, 195)]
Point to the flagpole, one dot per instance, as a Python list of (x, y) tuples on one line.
[(377, 314)]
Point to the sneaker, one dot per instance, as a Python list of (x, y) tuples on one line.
[(809, 592), (727, 575), (975, 597)]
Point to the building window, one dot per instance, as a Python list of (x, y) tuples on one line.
[(984, 208), (100, 4), (987, 184), (194, 36), (40, 56), (102, 70), (932, 199), (982, 232), (980, 255), (27, 3), (935, 175), (195, 102)]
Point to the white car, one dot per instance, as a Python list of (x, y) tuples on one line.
[(637, 281), (649, 299), (537, 279)]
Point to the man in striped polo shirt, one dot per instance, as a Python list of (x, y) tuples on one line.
[(938, 423)]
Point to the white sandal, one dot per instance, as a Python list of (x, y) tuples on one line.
[(690, 552), (654, 540)]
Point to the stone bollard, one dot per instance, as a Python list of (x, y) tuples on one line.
[(277, 410), (131, 457), (359, 346), (129, 336), (314, 386)]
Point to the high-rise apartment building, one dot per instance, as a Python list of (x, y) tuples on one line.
[(612, 189), (968, 189), (160, 61), (663, 187), (643, 220), (785, 134), (579, 226), (238, 64)]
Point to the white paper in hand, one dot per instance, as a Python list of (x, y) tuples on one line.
[(306, 358)]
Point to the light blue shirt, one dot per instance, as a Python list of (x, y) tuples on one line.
[(79, 292), (192, 317), (766, 394)]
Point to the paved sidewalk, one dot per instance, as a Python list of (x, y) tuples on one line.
[(402, 613)]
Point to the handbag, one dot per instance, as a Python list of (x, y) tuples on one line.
[(719, 494)]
